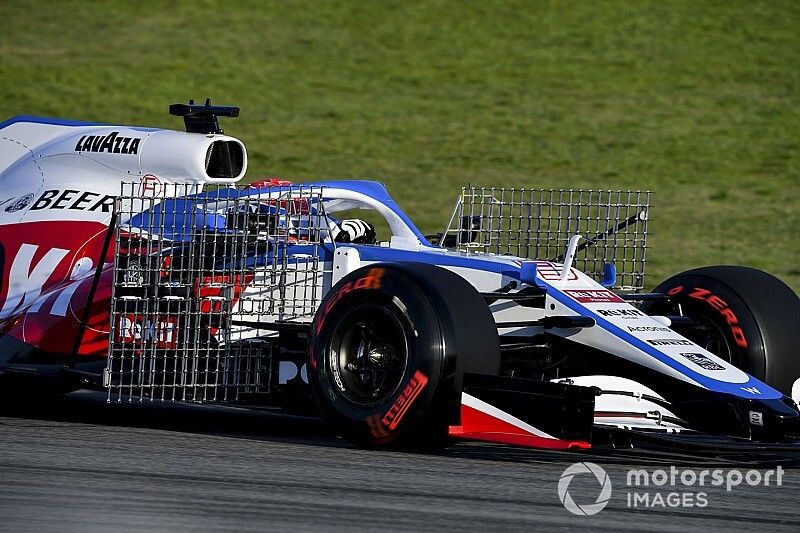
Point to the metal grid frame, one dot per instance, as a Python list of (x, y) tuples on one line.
[(538, 224), (196, 274)]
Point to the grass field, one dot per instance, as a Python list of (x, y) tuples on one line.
[(698, 101)]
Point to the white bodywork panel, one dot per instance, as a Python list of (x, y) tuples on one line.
[(37, 157), (633, 410)]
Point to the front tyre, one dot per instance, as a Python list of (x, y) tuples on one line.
[(388, 347), (743, 315)]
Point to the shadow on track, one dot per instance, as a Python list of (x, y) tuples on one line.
[(87, 407)]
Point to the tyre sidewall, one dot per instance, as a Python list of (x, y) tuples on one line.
[(766, 309), (707, 299), (379, 423)]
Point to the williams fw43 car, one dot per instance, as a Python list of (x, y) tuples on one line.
[(134, 264)]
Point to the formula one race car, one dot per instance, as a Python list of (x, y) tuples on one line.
[(133, 264)]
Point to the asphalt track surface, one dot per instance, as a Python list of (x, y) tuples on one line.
[(80, 464)]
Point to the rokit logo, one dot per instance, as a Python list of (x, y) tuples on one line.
[(162, 333), (622, 313), (111, 143), (593, 296)]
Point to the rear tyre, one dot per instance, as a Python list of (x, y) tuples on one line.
[(745, 316), (388, 348)]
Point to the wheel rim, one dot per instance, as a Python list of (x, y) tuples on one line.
[(368, 355), (710, 336)]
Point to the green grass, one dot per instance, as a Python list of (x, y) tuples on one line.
[(697, 101)]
